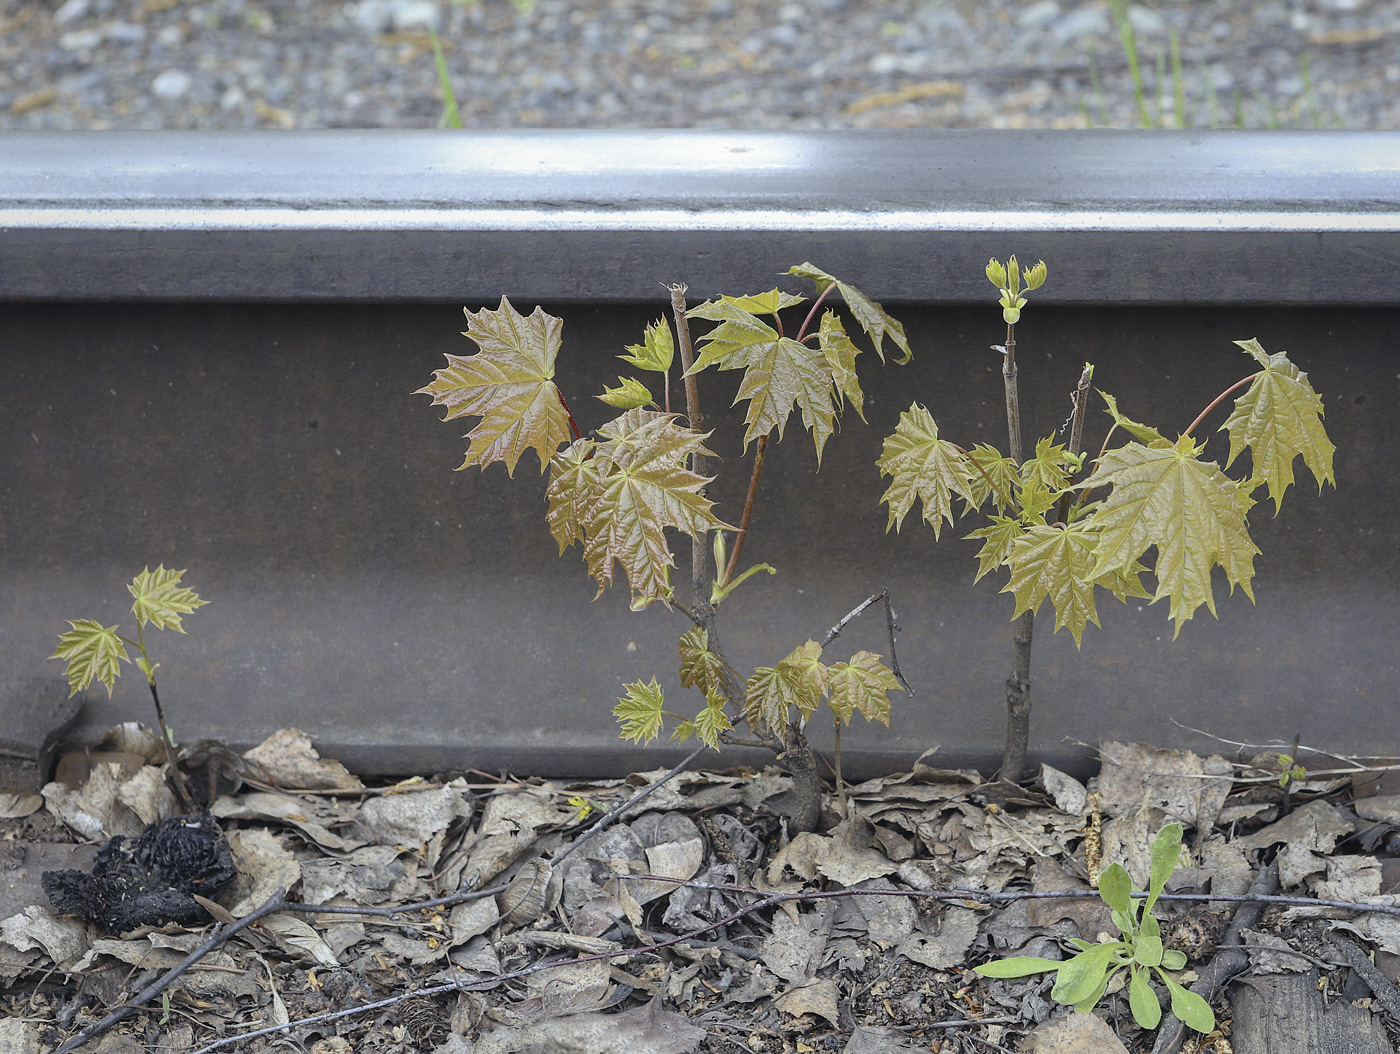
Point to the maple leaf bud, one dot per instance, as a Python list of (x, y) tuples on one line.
[(996, 273), (1035, 277), (1013, 274)]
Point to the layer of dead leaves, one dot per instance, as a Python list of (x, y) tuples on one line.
[(863, 974)]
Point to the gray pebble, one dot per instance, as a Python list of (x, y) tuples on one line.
[(125, 32)]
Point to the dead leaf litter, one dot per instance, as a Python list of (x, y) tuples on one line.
[(468, 914)]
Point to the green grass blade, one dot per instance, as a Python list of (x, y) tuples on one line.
[(1179, 83), (451, 115)]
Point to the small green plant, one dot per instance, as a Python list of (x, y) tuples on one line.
[(1083, 979), (1289, 770), (1063, 538), (618, 491), (95, 652)]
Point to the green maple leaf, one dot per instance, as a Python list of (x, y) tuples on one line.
[(798, 680), (629, 394), (1278, 419), (841, 352), (1188, 509), (769, 303), (925, 468), (161, 600), (997, 539), (1048, 466), (712, 721), (1143, 433), (873, 318), (93, 652), (638, 487), (1057, 563), (862, 684), (997, 479), (508, 385), (700, 667), (779, 372), (656, 351), (640, 711), (572, 491), (1035, 499)]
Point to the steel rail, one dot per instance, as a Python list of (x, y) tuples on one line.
[(384, 216)]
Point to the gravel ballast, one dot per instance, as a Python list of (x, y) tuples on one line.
[(129, 64)]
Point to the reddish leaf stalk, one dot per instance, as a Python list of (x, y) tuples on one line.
[(573, 425), (1217, 401), (802, 333), (759, 454)]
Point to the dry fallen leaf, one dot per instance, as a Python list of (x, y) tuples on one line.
[(1184, 786), (289, 761), (816, 997), (1075, 1034)]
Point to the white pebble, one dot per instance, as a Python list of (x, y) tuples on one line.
[(71, 11), (235, 98), (171, 84), (381, 16), (1038, 15), (80, 40), (1084, 21)]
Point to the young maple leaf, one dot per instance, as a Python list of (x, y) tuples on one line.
[(997, 539), (508, 385), (161, 600), (640, 711), (925, 468), (1278, 419), (93, 652), (1058, 563), (798, 680), (992, 475), (712, 721), (573, 487), (779, 372), (841, 352), (862, 684), (1191, 511), (873, 318), (700, 667), (656, 351), (621, 499)]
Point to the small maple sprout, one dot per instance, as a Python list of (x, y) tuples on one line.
[(1152, 506), (623, 491), (95, 652)]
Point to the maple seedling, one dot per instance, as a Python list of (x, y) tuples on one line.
[(1063, 538), (618, 491), (1082, 980), (95, 652)]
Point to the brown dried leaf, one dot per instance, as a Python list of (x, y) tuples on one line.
[(289, 761), (1184, 786)]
